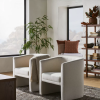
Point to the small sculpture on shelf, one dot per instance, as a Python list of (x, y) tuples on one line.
[(96, 56), (85, 23), (98, 32), (97, 45), (90, 67), (96, 66), (90, 45)]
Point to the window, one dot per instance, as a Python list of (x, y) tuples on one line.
[(12, 26), (74, 19)]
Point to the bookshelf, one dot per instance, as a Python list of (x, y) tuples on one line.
[(86, 59)]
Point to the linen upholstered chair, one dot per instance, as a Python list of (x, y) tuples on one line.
[(63, 73), (26, 70)]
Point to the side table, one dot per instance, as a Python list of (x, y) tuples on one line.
[(7, 87)]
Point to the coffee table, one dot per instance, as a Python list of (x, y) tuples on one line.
[(7, 87)]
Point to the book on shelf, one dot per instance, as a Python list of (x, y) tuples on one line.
[(94, 35), (95, 70), (97, 47), (96, 58)]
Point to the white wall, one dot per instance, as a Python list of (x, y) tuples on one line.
[(6, 64), (56, 10), (35, 8)]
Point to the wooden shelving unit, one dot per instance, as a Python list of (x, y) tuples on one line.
[(95, 25), (91, 37), (92, 60), (92, 72), (92, 48)]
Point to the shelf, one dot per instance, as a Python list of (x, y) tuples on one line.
[(92, 60), (91, 37), (92, 25), (93, 72), (92, 48)]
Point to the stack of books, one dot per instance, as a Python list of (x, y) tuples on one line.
[(96, 47), (96, 56), (93, 34), (96, 70)]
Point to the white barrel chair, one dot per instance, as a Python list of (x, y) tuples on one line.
[(65, 74), (26, 70)]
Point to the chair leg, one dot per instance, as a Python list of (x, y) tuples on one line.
[(71, 93), (33, 86), (46, 88)]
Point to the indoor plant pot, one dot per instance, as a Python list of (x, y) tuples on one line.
[(93, 20)]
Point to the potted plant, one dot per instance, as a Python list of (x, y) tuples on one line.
[(36, 31), (92, 15)]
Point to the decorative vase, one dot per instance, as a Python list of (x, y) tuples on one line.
[(93, 20)]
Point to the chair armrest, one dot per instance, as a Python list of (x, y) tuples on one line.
[(21, 61), (72, 76), (73, 69), (33, 70), (34, 66)]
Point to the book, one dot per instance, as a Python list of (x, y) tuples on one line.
[(95, 70), (93, 35)]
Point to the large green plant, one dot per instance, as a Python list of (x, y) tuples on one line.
[(36, 31)]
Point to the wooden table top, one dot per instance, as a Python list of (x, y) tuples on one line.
[(4, 77)]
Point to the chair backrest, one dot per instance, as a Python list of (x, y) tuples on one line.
[(52, 64), (22, 61), (63, 59), (59, 61)]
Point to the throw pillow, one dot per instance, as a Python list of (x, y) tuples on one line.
[(71, 46), (60, 42), (61, 46)]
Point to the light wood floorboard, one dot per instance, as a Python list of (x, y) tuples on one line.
[(89, 81), (8, 73)]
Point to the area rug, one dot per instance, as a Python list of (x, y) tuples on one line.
[(22, 93)]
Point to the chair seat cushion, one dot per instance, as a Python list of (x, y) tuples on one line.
[(52, 76), (22, 71), (72, 54)]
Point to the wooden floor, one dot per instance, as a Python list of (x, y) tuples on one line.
[(8, 73), (90, 81)]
